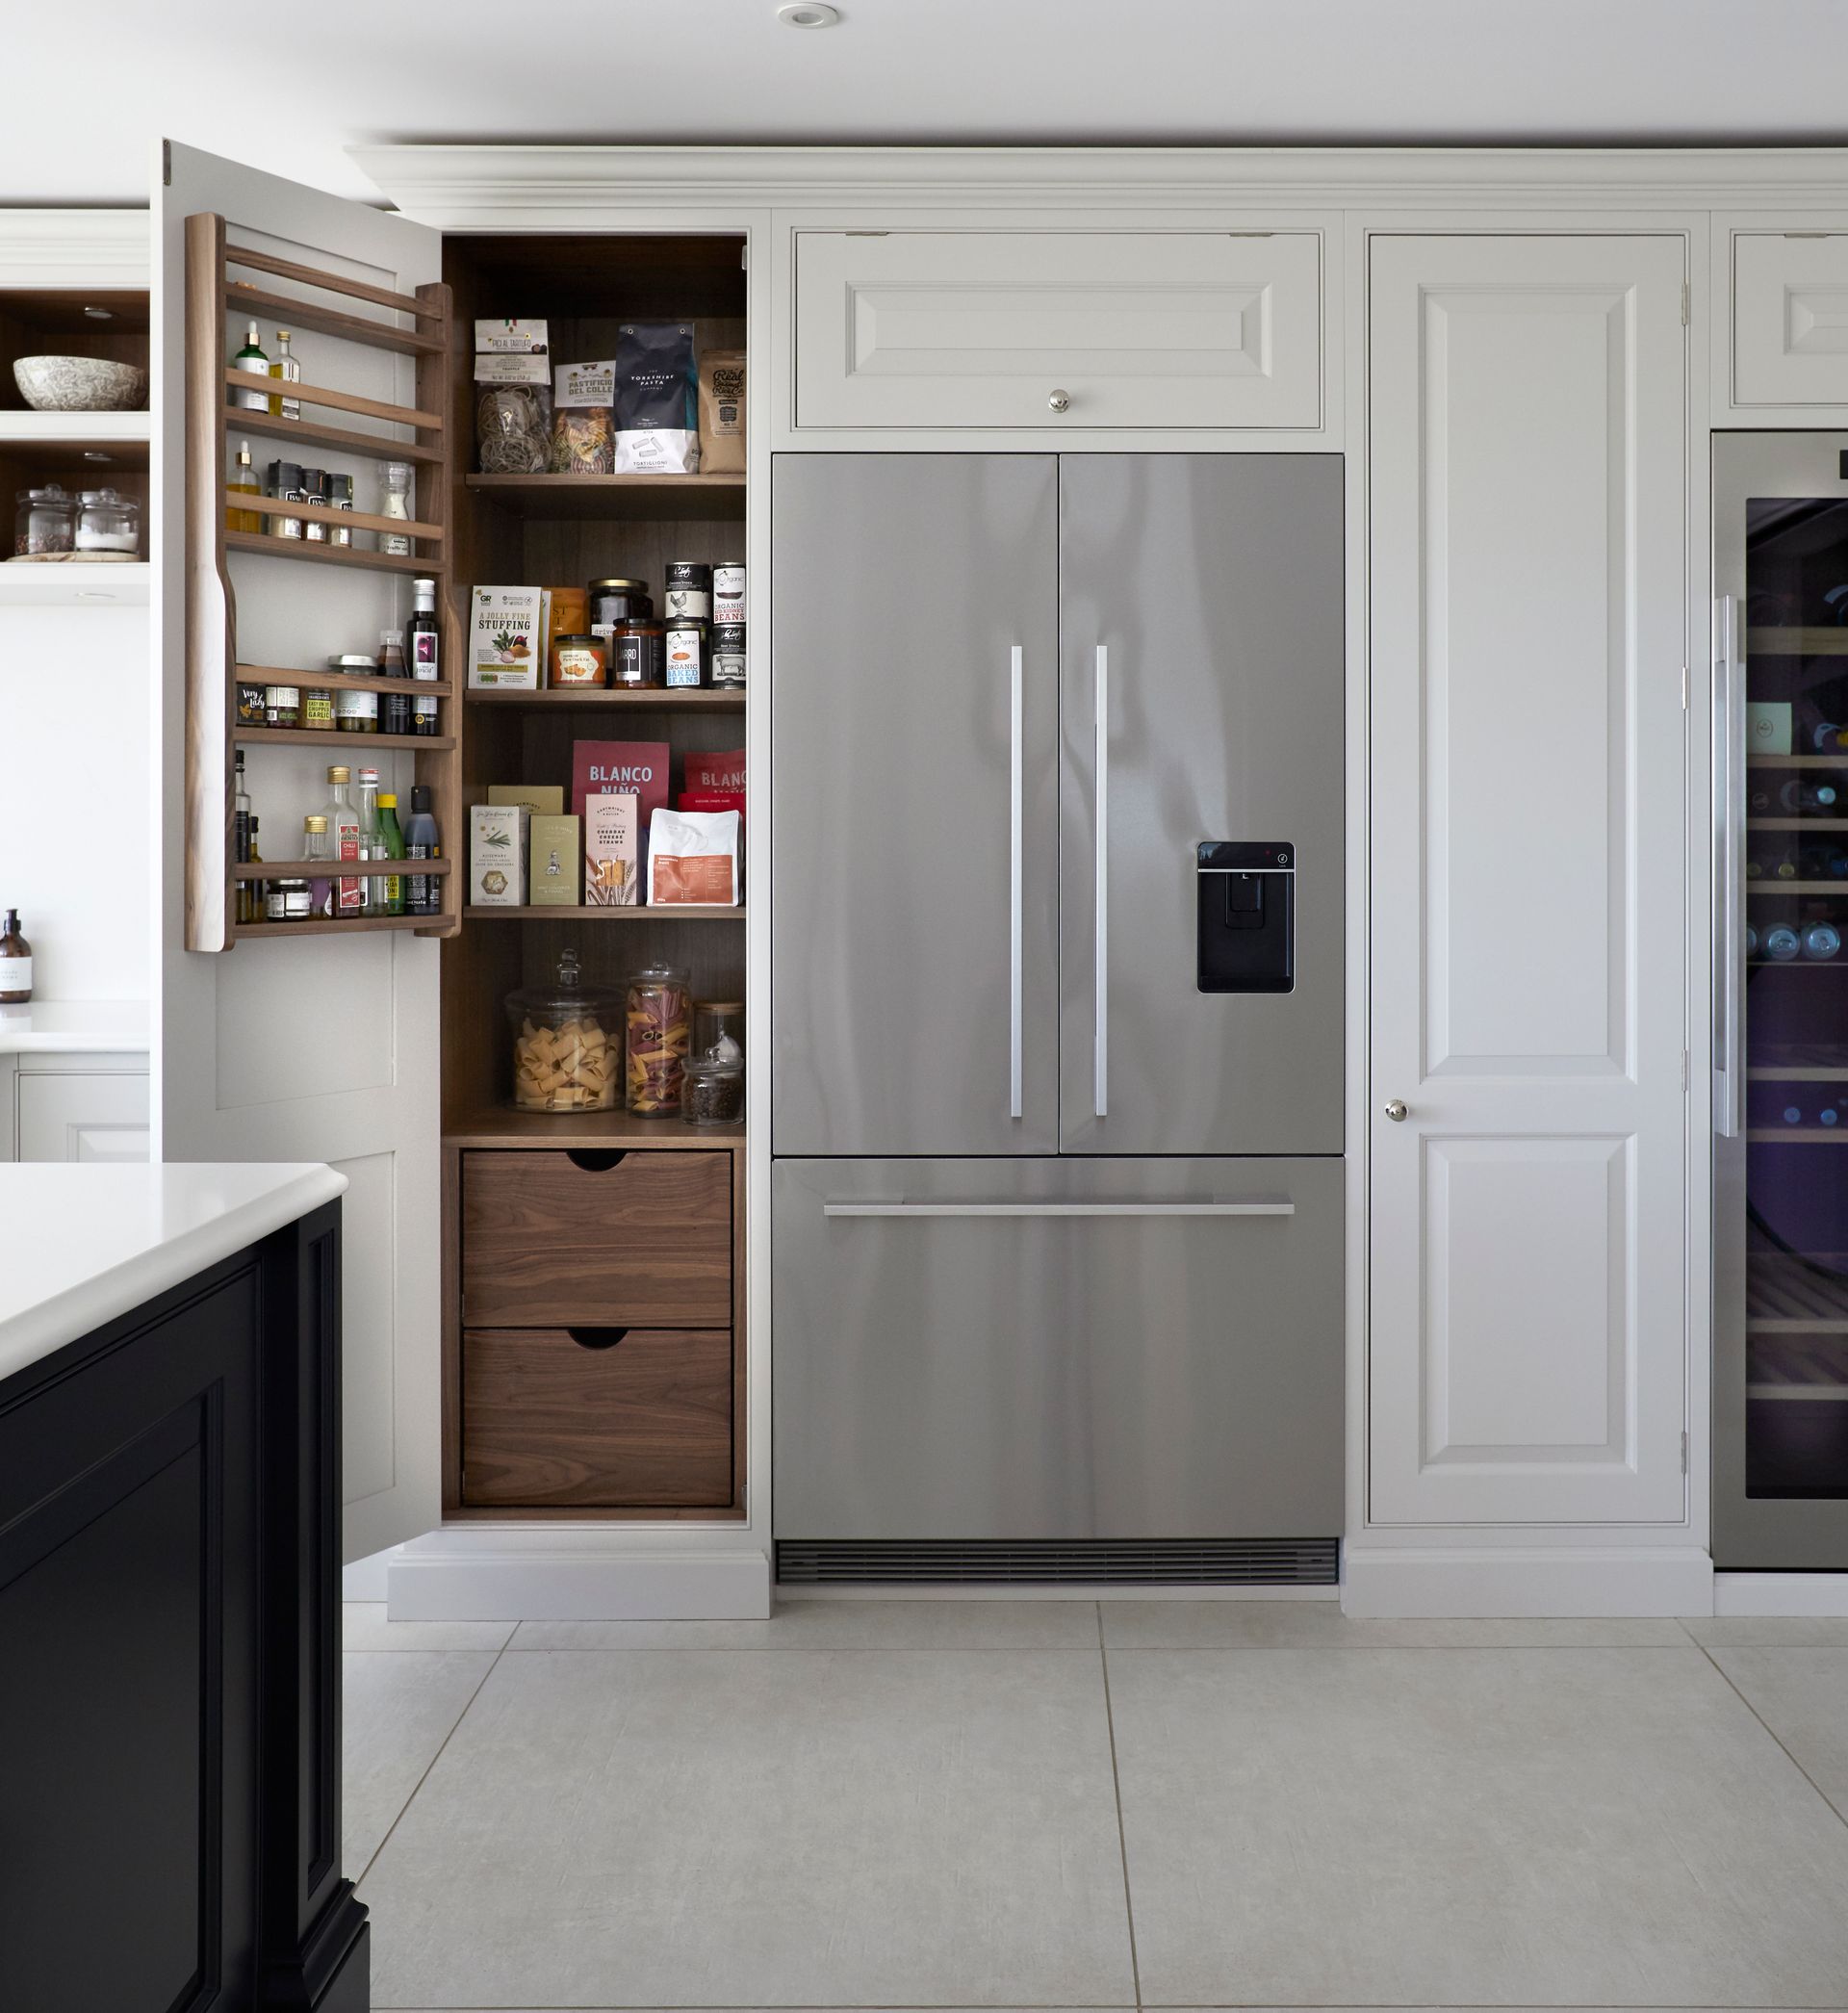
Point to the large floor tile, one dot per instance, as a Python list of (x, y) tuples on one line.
[(398, 1710), (365, 1628), (1769, 1631), (816, 1828), (1802, 1695), (1321, 1625), (842, 1625), (1511, 1827)]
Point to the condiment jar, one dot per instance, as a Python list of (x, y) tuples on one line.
[(564, 1044), (616, 600), (712, 1091), (657, 1033), (109, 522), (638, 654), (314, 490), (46, 522), (578, 661)]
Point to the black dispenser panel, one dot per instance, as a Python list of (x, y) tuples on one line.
[(1246, 930)]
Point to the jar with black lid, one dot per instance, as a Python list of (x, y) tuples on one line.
[(638, 654), (613, 600), (314, 490), (340, 497), (285, 485)]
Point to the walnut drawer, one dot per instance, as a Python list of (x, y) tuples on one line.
[(597, 1417), (546, 1243)]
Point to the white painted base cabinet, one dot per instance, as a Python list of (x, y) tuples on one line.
[(1528, 524), (80, 1107)]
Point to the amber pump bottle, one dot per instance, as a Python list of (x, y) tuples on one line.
[(15, 963)]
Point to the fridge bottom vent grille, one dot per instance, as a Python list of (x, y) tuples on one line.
[(1214, 1562)]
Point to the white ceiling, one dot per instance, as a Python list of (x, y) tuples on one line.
[(288, 87)]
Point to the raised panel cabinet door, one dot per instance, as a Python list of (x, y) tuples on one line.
[(82, 1115), (312, 1048), (1789, 319), (1058, 328), (914, 803), (1527, 515)]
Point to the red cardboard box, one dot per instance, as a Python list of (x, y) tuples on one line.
[(716, 769), (711, 800), (614, 768)]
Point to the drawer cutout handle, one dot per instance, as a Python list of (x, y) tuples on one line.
[(596, 1160), (596, 1337)]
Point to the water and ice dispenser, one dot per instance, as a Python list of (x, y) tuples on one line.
[(1246, 908)]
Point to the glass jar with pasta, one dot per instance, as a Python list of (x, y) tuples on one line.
[(564, 1043), (658, 1031)]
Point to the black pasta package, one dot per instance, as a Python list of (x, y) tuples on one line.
[(658, 392)]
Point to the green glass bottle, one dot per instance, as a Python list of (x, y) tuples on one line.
[(392, 837), (253, 359)]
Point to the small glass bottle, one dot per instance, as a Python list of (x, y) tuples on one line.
[(317, 847), (15, 963), (241, 480), (371, 843), (289, 372), (253, 359), (391, 840), (252, 902), (343, 837), (241, 834), (395, 501), (395, 708), (423, 654)]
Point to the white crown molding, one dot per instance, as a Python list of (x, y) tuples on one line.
[(454, 186), (102, 248)]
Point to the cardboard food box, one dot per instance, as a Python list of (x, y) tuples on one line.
[(603, 767), (542, 799), (718, 768), (497, 841), (612, 850), (505, 638), (556, 854), (510, 338)]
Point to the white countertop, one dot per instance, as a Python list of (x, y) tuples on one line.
[(81, 1245), (75, 1028)]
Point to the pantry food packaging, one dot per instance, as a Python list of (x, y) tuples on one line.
[(717, 768), (612, 850), (722, 412), (497, 835), (556, 852), (542, 799), (584, 426), (657, 400), (511, 339), (641, 767), (504, 639), (711, 800), (563, 611), (566, 1051), (512, 415), (693, 858), (657, 1029)]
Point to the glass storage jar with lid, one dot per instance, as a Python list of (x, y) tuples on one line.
[(718, 1022), (658, 1031), (712, 1091), (564, 1043), (109, 522), (46, 523)]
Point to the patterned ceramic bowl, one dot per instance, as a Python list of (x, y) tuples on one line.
[(79, 384)]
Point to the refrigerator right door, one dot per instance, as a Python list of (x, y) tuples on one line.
[(1781, 1004), (1200, 803)]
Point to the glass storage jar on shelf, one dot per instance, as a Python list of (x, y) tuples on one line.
[(564, 1054), (657, 1032), (109, 522), (713, 1092), (46, 523), (716, 1022)]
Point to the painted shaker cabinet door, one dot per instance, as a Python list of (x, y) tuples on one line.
[(82, 1115), (994, 328), (1528, 526), (1789, 319)]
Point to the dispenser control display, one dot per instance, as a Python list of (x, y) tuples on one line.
[(1246, 895)]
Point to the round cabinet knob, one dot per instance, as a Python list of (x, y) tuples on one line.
[(1060, 402), (1395, 1110)]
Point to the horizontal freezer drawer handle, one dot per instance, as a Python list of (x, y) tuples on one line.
[(1265, 1208)]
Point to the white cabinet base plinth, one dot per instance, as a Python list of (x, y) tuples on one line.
[(451, 1582), (1780, 1594), (1488, 1582)]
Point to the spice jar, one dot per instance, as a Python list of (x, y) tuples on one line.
[(638, 654), (356, 711), (46, 523), (713, 1092), (340, 497), (318, 708), (314, 490), (578, 661), (564, 1051), (655, 1034), (281, 706), (109, 522), (284, 483), (287, 901)]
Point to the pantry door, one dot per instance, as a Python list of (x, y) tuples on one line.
[(315, 1048), (1528, 519)]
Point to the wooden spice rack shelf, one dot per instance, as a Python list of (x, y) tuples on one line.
[(644, 699), (634, 911), (336, 870), (214, 415)]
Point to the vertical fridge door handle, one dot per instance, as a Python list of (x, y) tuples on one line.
[(1100, 973), (1729, 867), (1017, 785)]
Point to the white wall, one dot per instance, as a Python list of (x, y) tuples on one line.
[(75, 814)]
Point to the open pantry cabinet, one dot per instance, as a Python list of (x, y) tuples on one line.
[(543, 1313)]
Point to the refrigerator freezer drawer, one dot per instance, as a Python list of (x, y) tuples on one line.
[(1058, 1348)]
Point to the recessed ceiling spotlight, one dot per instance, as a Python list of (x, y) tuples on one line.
[(808, 13), (97, 455), (100, 314)]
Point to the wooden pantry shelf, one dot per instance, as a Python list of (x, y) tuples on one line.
[(339, 870), (268, 547), (644, 699), (1796, 642), (612, 496), (24, 584), (332, 737), (51, 430), (356, 681), (633, 911), (293, 313), (345, 926), (501, 1125)]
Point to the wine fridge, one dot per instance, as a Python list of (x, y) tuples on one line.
[(1781, 1007)]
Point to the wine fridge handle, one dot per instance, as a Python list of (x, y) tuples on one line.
[(1100, 868), (1729, 869), (1016, 840)]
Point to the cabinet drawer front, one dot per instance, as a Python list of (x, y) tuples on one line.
[(646, 1241), (596, 1417), (1790, 320), (978, 328)]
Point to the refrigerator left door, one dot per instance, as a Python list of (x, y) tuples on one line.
[(913, 714), (322, 1047)]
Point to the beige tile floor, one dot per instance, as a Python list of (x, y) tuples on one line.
[(862, 1805)]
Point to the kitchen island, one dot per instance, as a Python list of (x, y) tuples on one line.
[(169, 1633)]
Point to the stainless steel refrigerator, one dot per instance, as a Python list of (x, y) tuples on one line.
[(1780, 1006), (1057, 1104)]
